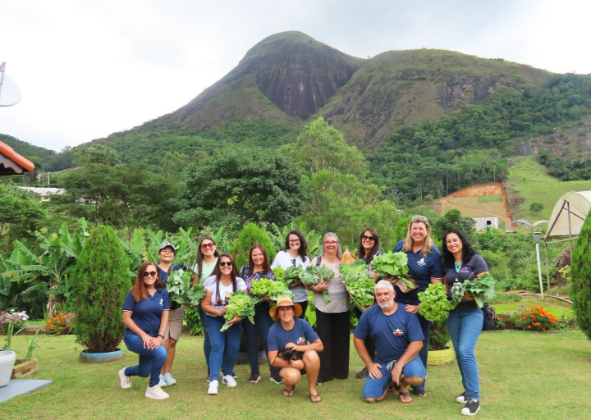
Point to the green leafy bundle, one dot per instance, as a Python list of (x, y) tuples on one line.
[(293, 274), (359, 282), (196, 294), (457, 292), (273, 289), (481, 289), (434, 303), (279, 275), (313, 275), (241, 304), (391, 264), (178, 285)]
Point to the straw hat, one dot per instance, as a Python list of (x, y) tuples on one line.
[(285, 301)]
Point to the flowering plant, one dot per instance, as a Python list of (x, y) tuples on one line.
[(535, 318), (60, 324), (18, 320)]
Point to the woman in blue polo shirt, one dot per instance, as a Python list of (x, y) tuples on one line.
[(145, 314), (424, 265)]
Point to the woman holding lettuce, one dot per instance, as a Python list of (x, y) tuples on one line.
[(424, 266)]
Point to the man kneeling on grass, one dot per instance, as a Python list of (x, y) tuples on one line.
[(398, 338), (290, 335)]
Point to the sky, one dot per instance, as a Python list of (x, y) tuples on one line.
[(87, 69)]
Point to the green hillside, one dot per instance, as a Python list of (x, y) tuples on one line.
[(25, 149)]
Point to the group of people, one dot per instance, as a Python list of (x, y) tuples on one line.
[(391, 338)]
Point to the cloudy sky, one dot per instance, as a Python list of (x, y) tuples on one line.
[(88, 68)]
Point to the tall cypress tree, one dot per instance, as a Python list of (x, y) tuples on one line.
[(101, 283), (580, 291)]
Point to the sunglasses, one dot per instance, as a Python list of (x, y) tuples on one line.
[(149, 273), (421, 218), (209, 245), (368, 238), (226, 263)]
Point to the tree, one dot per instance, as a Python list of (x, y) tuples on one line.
[(21, 214), (96, 153), (452, 220), (102, 282), (536, 207), (580, 291), (249, 235), (240, 185)]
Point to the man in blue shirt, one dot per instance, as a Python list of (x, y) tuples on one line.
[(294, 333), (398, 338)]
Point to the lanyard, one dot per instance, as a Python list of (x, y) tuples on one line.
[(458, 267)]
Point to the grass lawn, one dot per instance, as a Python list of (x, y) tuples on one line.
[(553, 306), (524, 375)]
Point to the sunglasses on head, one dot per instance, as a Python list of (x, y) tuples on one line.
[(208, 245), (369, 238), (226, 263), (421, 218), (149, 273)]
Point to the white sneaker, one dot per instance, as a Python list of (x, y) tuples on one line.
[(228, 380), (162, 382), (213, 387), (123, 379), (169, 379), (156, 393)]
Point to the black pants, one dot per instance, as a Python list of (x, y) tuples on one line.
[(304, 306), (334, 332)]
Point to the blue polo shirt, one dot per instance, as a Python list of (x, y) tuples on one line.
[(421, 269), (301, 333), (391, 333), (148, 312)]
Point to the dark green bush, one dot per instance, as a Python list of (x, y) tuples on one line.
[(100, 286), (249, 235), (580, 291)]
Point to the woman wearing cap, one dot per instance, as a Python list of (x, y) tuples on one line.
[(175, 318), (224, 344), (294, 254), (369, 247), (424, 265), (332, 318), (256, 269), (207, 258), (145, 315), (294, 333)]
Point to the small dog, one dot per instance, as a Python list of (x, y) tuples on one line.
[(289, 355)]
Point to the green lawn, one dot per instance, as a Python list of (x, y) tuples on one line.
[(524, 375), (555, 307)]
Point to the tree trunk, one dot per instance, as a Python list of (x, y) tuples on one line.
[(51, 301)]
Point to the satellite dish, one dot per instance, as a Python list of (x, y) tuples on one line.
[(10, 94)]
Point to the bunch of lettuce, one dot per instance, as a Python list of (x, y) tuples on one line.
[(241, 304), (279, 274), (359, 282), (313, 275), (481, 289), (391, 264), (434, 304), (457, 292), (293, 274), (180, 290), (273, 289)]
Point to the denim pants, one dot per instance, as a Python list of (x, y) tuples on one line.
[(206, 341), (260, 328), (224, 346), (464, 328), (151, 361), (424, 352)]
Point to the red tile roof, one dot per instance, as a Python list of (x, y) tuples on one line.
[(12, 163)]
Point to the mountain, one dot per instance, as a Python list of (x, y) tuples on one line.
[(25, 149)]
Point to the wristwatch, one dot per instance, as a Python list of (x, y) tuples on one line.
[(160, 335)]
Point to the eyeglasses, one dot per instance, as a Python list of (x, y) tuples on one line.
[(208, 245), (418, 217), (368, 238), (149, 273), (330, 242), (294, 241), (226, 263)]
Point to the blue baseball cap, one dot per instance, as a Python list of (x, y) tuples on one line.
[(167, 244)]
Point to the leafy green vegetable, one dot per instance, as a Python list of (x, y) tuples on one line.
[(279, 274), (481, 289), (457, 292), (313, 275), (241, 304), (359, 282), (391, 264), (434, 304), (293, 274), (178, 286), (273, 289)]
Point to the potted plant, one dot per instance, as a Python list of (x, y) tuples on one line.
[(102, 281), (7, 357), (28, 365), (439, 352)]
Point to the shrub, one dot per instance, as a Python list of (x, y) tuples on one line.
[(535, 318), (439, 336), (249, 235), (101, 284), (580, 291), (60, 324), (193, 321), (18, 320)]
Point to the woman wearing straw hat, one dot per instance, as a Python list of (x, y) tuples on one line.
[(293, 333)]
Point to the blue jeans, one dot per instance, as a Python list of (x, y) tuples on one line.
[(262, 325), (464, 328), (375, 388), (151, 361), (424, 352), (224, 346), (206, 341)]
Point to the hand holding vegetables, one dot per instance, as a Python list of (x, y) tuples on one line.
[(240, 305), (318, 277), (359, 282)]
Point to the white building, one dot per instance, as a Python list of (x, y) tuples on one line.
[(483, 222)]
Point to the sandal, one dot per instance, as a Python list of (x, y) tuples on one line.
[(313, 399), (395, 388), (289, 392), (404, 395)]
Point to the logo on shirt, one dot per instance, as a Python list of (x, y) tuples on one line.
[(227, 295), (161, 302), (301, 341), (398, 332), (421, 262)]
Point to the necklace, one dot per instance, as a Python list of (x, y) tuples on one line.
[(457, 266)]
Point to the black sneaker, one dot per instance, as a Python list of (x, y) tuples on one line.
[(254, 377), (276, 378), (362, 373), (471, 408), (462, 398)]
